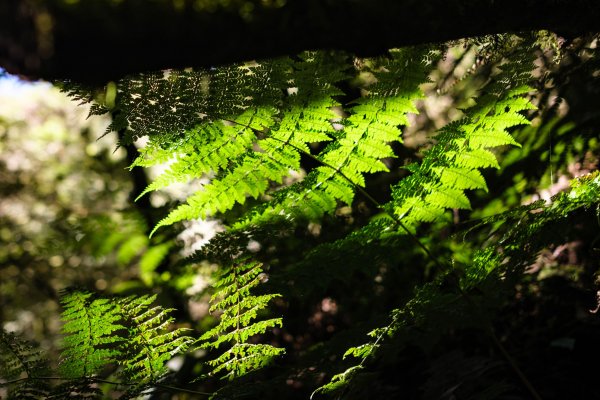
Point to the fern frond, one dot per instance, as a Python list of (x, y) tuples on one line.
[(304, 117), (228, 141), (374, 123), (127, 331), (453, 164), (91, 340), (238, 323), (21, 365), (149, 342), (437, 183), (362, 143), (166, 104)]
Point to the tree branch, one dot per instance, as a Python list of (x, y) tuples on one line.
[(100, 40)]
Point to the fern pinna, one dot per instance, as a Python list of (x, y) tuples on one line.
[(91, 339), (453, 164), (264, 141)]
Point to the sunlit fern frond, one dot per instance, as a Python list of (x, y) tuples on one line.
[(239, 322)]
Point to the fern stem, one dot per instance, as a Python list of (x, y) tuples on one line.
[(90, 335), (99, 380), (398, 222), (489, 330), (178, 389), (513, 364), (239, 302)]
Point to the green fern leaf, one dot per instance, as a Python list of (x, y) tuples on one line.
[(473, 159), (448, 197), (461, 178), (21, 365), (240, 310), (481, 139), (453, 163), (150, 343), (91, 342)]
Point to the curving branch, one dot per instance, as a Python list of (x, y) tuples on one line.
[(96, 41)]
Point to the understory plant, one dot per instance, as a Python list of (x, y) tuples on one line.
[(400, 247)]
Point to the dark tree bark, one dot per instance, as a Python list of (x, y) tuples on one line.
[(95, 41)]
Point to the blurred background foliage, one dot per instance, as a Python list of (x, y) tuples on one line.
[(59, 185), (67, 218)]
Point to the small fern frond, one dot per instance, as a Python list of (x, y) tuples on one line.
[(127, 331), (238, 324), (149, 342), (21, 365), (338, 381), (91, 340)]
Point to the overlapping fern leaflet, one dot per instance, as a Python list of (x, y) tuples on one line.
[(262, 144), (221, 135), (100, 331), (240, 311), (165, 105), (128, 331)]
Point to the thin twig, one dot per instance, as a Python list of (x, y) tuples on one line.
[(99, 380), (513, 364), (489, 330)]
